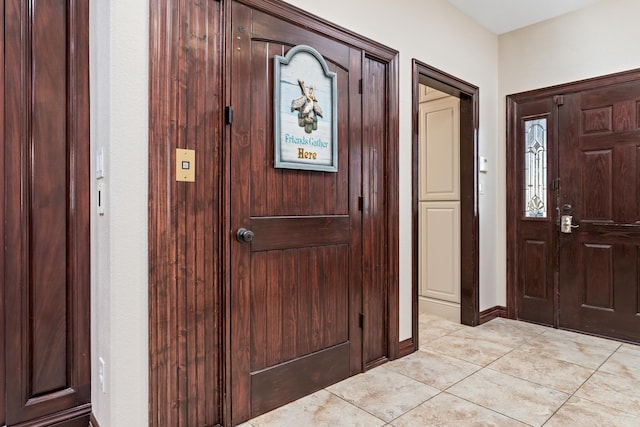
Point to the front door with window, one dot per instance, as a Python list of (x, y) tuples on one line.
[(574, 189)]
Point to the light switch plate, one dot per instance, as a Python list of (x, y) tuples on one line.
[(185, 165), (484, 165), (100, 163)]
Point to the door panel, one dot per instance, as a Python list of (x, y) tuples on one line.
[(292, 287), (535, 222), (440, 250), (440, 149), (598, 277), (45, 210)]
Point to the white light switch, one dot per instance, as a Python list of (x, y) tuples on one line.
[(484, 165), (100, 163)]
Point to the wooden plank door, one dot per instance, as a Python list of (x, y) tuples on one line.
[(296, 288), (600, 187)]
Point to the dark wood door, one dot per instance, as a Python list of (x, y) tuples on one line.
[(534, 211), (295, 289), (44, 210), (600, 187)]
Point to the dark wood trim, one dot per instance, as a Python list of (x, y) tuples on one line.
[(512, 202), (577, 86), (93, 422), (469, 212), (185, 310), (2, 231), (74, 417), (492, 313), (298, 16), (393, 205), (407, 347)]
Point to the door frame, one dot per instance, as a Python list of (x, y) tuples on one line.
[(469, 211), (513, 193)]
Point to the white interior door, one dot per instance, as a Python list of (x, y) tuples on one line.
[(439, 204)]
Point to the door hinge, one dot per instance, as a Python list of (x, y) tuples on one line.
[(361, 320), (555, 184), (558, 100), (360, 203), (360, 87), (228, 114)]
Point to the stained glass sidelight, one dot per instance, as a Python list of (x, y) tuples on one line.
[(535, 168)]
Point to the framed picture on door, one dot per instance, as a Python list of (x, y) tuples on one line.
[(305, 111)]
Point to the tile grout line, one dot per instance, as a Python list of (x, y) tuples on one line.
[(581, 385)]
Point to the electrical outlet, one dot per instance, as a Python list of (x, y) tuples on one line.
[(102, 375)]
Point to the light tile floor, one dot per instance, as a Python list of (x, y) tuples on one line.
[(502, 373)]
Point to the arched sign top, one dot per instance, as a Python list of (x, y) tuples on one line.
[(305, 111)]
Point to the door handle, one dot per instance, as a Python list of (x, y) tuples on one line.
[(244, 236), (566, 224)]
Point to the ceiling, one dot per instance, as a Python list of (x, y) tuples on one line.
[(502, 16)]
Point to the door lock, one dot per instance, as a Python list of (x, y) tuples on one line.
[(244, 236), (566, 224)]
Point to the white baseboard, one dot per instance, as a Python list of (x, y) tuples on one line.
[(444, 309)]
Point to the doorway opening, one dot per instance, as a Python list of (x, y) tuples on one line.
[(461, 202)]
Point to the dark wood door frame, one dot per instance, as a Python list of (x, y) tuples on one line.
[(469, 213), (513, 193)]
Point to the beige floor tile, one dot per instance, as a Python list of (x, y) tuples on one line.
[(583, 339), (618, 393), (507, 338), (446, 410), (584, 413), (432, 327), (480, 352), (321, 409), (623, 364), (569, 349), (383, 392), (632, 349), (516, 329), (432, 368), (546, 371), (516, 398)]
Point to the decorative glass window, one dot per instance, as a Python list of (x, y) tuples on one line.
[(535, 168)]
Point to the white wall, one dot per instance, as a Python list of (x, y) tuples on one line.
[(119, 124), (431, 31), (438, 34), (594, 41)]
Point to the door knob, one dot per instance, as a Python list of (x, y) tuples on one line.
[(244, 236)]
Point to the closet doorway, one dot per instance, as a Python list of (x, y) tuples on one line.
[(445, 197)]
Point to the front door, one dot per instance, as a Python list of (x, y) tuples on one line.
[(599, 138), (575, 152), (295, 288)]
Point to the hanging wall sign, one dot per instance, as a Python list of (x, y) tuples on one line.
[(305, 111)]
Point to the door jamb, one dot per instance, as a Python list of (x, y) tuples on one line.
[(469, 216)]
